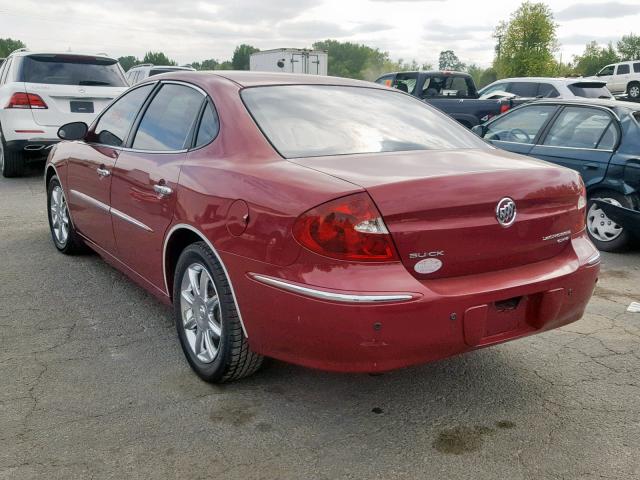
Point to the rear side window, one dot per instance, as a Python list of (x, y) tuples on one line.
[(521, 125), (524, 89), (169, 119), (580, 127), (636, 67), (447, 86), (115, 123), (387, 80), (546, 90), (623, 69), (209, 126), (317, 120), (72, 70)]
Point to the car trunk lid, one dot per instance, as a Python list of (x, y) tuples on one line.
[(440, 206)]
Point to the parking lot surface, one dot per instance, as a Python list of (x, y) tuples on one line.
[(94, 385)]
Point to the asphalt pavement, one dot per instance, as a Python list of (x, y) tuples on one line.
[(93, 384)]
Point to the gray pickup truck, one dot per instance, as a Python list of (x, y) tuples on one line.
[(454, 93)]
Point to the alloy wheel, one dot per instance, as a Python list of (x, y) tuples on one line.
[(600, 226), (634, 92), (59, 215), (201, 314)]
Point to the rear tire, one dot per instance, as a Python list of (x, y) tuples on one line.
[(604, 233), (63, 233), (633, 90), (207, 321), (11, 162)]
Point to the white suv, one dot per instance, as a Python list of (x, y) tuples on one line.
[(546, 87), (40, 92), (622, 78), (138, 73)]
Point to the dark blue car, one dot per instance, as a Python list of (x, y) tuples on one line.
[(598, 138)]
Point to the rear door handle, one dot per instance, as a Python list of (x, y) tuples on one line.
[(162, 190), (103, 172)]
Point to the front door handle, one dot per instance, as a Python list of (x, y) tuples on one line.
[(591, 166), (103, 172), (162, 190)]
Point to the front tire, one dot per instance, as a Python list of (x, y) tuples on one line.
[(633, 90), (605, 234), (207, 321), (63, 233)]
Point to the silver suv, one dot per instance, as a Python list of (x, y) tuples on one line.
[(138, 73)]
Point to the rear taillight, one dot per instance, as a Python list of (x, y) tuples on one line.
[(581, 218), (349, 228), (505, 107), (26, 100)]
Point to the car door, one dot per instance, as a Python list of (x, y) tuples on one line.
[(583, 139), (145, 178), (89, 169), (621, 78), (606, 74), (518, 129)]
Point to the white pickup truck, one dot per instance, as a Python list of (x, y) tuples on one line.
[(622, 78)]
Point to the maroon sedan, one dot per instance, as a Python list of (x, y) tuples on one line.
[(322, 221)]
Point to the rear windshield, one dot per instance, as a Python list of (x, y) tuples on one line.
[(589, 91), (318, 120), (72, 70)]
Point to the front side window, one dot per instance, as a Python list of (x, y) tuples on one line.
[(115, 123), (521, 125), (623, 69), (72, 70), (608, 70), (169, 119), (318, 120), (580, 127)]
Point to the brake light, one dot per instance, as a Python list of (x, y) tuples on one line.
[(581, 209), (26, 100), (349, 228)]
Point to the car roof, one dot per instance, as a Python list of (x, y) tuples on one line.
[(245, 78), (617, 105), (25, 53), (556, 80)]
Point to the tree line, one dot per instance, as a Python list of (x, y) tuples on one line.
[(526, 45)]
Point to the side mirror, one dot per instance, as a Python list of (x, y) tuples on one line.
[(73, 131), (479, 130)]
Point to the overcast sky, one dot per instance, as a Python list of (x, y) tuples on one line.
[(189, 30)]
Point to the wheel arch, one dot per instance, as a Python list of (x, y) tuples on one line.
[(179, 237)]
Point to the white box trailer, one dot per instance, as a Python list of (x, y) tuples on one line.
[(290, 60)]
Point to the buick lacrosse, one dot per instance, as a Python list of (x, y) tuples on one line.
[(327, 222)]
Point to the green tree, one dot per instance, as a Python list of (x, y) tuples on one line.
[(594, 58), (127, 62), (157, 58), (226, 65), (209, 64), (450, 61), (629, 47), (8, 45), (353, 60), (527, 42), (240, 59), (488, 76)]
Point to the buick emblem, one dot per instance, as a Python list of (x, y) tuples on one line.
[(506, 212)]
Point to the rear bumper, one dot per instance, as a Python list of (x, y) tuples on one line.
[(435, 319), (33, 145)]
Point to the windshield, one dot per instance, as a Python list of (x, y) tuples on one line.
[(318, 120), (72, 70)]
